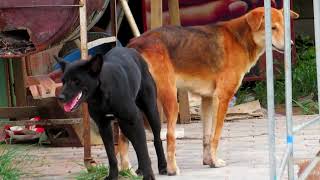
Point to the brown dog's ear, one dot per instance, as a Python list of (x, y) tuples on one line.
[(255, 19), (293, 14), (95, 65)]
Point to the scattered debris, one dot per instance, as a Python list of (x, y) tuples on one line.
[(245, 111), (14, 45), (248, 110)]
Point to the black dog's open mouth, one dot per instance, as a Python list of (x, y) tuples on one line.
[(74, 103), (277, 49)]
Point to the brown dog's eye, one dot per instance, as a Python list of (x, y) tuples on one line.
[(274, 28)]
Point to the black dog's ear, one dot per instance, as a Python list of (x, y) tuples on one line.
[(61, 62), (95, 65)]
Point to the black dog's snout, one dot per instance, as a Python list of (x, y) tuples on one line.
[(62, 97)]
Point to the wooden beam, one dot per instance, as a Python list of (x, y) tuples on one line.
[(156, 13), (48, 122), (174, 12), (184, 110), (19, 112)]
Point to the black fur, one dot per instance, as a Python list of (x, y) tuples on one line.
[(118, 83)]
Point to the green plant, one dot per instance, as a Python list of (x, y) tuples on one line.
[(12, 161), (99, 172), (93, 173)]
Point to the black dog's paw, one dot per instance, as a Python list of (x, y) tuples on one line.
[(149, 177), (111, 178), (163, 171), (139, 172)]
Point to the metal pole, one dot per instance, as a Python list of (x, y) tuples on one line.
[(288, 85), (283, 163), (270, 90), (306, 124), (84, 56), (316, 10)]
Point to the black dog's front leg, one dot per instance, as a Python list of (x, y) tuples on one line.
[(107, 138), (106, 133)]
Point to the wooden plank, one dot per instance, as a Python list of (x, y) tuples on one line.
[(19, 82), (19, 112), (42, 86), (156, 13), (48, 122), (246, 108)]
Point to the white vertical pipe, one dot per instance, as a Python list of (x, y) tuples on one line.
[(270, 91), (316, 11), (288, 85)]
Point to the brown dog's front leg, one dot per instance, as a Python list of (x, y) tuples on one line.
[(216, 132)]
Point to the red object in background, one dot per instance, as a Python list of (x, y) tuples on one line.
[(200, 12), (32, 28), (23, 133)]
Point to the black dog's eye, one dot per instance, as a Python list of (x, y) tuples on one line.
[(76, 82)]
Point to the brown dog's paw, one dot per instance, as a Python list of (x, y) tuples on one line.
[(218, 163), (173, 171)]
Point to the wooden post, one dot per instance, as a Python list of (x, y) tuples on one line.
[(130, 18), (174, 12), (84, 56), (20, 81), (184, 111), (156, 21), (156, 13)]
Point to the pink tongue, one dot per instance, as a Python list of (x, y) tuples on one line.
[(70, 105)]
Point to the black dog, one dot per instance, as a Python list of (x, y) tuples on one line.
[(117, 83)]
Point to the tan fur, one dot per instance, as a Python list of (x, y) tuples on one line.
[(210, 61)]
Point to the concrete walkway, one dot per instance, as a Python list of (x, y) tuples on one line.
[(244, 146)]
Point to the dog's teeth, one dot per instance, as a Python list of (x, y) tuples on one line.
[(79, 96)]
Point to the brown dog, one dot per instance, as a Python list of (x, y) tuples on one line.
[(210, 61)]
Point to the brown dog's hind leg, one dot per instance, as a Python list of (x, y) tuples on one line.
[(208, 105), (123, 151)]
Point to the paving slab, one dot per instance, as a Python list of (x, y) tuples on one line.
[(244, 146)]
